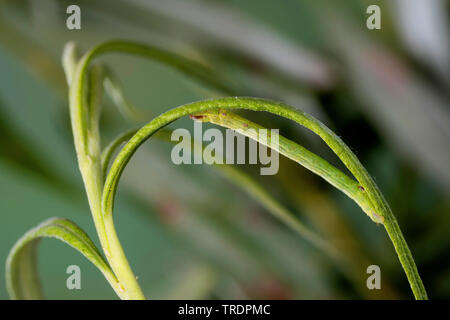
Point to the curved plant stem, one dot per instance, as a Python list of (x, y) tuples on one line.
[(243, 181), (84, 112), (295, 152), (372, 202), (363, 191), (292, 151)]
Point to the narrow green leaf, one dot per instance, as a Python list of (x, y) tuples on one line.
[(114, 90), (78, 87), (371, 201), (363, 191), (241, 180), (21, 269)]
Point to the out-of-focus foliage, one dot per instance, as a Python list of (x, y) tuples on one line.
[(386, 92)]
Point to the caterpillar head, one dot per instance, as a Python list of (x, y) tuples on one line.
[(376, 218)]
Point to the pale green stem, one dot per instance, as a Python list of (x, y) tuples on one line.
[(86, 138), (87, 145)]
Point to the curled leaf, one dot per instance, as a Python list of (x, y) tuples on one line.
[(21, 270)]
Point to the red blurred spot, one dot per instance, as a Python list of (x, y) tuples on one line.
[(387, 68), (169, 210), (270, 289)]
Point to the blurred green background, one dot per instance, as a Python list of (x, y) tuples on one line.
[(189, 233)]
